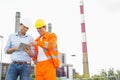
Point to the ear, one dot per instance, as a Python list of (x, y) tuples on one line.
[(20, 24)]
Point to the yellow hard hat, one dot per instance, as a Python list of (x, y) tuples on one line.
[(39, 23)]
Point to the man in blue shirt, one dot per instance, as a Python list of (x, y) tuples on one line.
[(21, 58)]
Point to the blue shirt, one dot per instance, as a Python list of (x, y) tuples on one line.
[(14, 40)]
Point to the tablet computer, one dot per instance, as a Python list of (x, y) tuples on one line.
[(22, 46)]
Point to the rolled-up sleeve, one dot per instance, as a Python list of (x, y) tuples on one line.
[(8, 45)]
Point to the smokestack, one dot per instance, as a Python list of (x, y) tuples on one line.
[(84, 42), (49, 27), (17, 21)]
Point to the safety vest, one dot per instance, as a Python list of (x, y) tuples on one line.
[(49, 45)]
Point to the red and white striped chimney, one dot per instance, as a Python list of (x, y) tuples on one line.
[(84, 42)]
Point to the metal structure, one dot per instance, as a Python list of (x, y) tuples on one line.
[(1, 37), (17, 21), (84, 42), (17, 28), (49, 27)]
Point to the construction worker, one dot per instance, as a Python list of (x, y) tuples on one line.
[(46, 58), (21, 58)]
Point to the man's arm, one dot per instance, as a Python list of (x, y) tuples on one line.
[(10, 50)]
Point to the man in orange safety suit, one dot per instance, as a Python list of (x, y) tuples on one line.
[(46, 58)]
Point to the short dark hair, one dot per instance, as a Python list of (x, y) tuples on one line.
[(21, 23)]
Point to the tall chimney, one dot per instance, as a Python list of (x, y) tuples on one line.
[(49, 27), (17, 21), (84, 42)]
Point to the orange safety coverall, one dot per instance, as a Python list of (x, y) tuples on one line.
[(45, 69)]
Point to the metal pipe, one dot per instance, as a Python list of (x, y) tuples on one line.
[(1, 36), (1, 57)]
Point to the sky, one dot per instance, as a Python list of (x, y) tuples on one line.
[(101, 22)]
